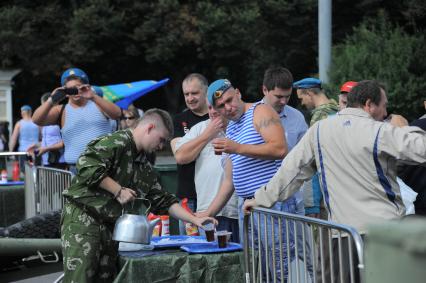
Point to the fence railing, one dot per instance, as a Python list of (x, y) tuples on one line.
[(43, 185), (43, 189), (50, 183), (284, 247), (30, 191)]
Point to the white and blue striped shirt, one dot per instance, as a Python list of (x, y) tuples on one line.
[(248, 173), (82, 125)]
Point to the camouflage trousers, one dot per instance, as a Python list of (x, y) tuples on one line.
[(89, 253)]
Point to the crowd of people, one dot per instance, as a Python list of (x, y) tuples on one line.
[(231, 156)]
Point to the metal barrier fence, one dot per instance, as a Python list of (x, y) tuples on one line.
[(317, 250), (30, 191), (50, 184), (43, 189), (43, 185)]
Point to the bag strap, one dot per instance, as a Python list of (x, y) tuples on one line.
[(60, 116)]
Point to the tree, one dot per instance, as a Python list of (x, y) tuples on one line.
[(378, 49), (119, 41)]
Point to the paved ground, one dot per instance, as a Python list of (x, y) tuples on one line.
[(40, 273)]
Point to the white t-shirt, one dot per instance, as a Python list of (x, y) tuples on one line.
[(208, 174)]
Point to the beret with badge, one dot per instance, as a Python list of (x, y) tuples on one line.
[(217, 89)]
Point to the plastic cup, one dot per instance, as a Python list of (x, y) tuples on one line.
[(222, 238), (218, 136), (217, 152), (209, 229)]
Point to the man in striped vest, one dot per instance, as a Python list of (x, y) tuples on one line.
[(253, 144), (84, 118)]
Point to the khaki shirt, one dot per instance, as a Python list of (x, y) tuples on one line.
[(356, 157)]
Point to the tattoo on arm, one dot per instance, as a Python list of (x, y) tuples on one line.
[(264, 123)]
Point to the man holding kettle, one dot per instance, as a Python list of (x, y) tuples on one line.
[(112, 171)]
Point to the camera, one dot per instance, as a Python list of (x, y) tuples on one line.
[(71, 90), (61, 93)]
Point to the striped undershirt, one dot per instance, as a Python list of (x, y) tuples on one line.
[(249, 174), (82, 124)]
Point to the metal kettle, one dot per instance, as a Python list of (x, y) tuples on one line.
[(134, 228)]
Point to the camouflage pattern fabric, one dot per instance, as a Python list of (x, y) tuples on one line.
[(115, 155), (91, 210), (324, 111), (90, 254)]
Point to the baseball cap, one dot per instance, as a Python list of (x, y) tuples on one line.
[(74, 72), (26, 108), (307, 83), (217, 89), (347, 86)]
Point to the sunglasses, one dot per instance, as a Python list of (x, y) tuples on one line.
[(128, 118)]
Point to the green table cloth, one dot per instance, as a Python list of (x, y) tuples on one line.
[(179, 266)]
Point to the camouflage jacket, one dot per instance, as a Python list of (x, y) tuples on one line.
[(115, 155), (312, 193), (324, 111)]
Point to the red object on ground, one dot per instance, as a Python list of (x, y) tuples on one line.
[(16, 171)]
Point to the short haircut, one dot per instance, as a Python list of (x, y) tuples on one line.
[(314, 90), (277, 77), (364, 90), (156, 115), (201, 79)]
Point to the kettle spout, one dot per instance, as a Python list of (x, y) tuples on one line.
[(152, 225)]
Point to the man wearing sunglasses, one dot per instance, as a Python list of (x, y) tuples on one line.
[(84, 117)]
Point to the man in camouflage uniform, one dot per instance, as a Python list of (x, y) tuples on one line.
[(311, 94), (112, 171)]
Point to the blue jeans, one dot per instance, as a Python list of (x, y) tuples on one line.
[(300, 210), (228, 224), (293, 205), (192, 204), (289, 206)]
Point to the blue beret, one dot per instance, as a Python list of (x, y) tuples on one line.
[(217, 89), (307, 83), (26, 108), (74, 72)]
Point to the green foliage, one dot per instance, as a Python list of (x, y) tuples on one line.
[(380, 50), (25, 38), (124, 40)]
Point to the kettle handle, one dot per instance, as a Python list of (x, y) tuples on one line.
[(133, 203)]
